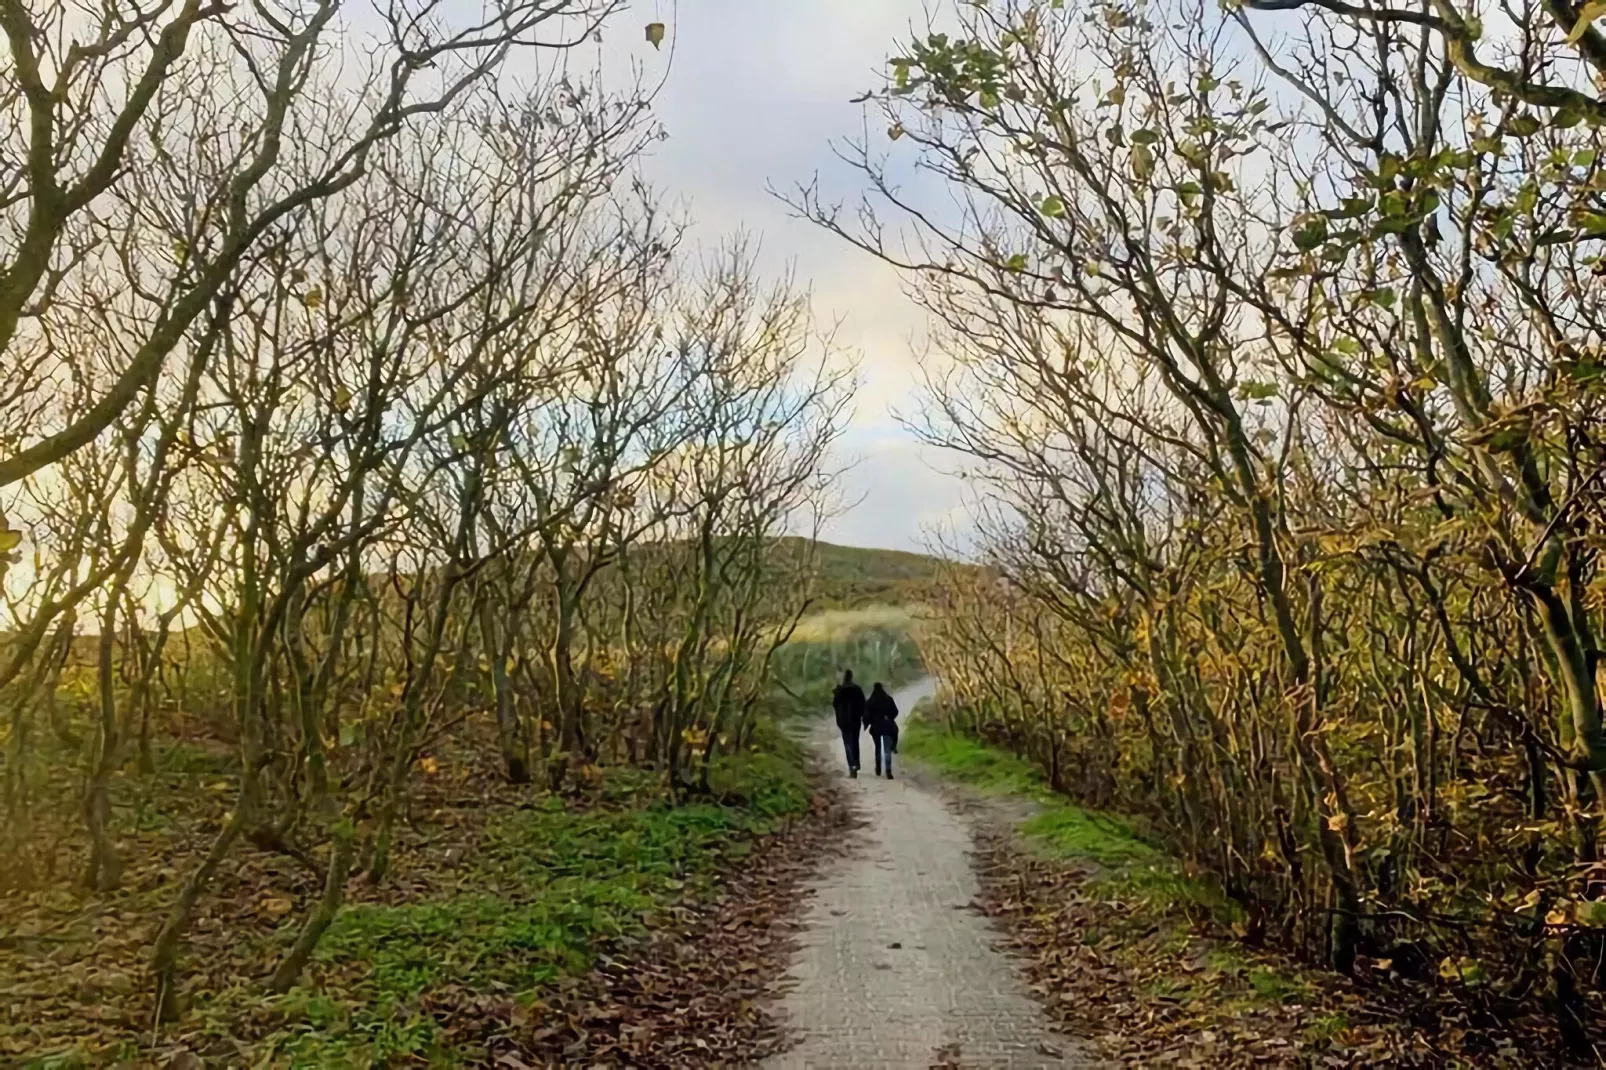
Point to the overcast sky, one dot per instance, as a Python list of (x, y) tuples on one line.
[(756, 92)]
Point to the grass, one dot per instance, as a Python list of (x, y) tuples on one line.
[(1123, 865), (963, 759), (550, 886), (850, 577), (1123, 862), (874, 641)]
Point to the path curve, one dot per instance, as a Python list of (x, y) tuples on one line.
[(895, 970)]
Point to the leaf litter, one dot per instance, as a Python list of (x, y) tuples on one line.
[(685, 988), (1155, 988)]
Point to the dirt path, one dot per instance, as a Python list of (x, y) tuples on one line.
[(895, 970)]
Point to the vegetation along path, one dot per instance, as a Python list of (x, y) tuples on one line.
[(895, 968)]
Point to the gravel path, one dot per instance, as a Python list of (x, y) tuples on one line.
[(895, 970)]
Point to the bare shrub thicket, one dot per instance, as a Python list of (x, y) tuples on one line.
[(1274, 339), (358, 393)]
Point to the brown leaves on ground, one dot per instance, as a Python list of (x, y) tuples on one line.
[(74, 966), (693, 993), (73, 973), (1149, 991)]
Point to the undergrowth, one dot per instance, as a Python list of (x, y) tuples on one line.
[(550, 886), (1160, 905)]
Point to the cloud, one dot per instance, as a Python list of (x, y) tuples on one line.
[(900, 491), (756, 92)]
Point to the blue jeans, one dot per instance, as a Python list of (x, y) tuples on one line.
[(883, 753)]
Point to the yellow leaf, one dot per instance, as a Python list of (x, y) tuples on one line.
[(1142, 162), (655, 34), (9, 540), (342, 398), (895, 131), (1586, 17), (277, 906), (313, 297), (429, 765)]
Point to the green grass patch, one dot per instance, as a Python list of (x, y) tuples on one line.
[(550, 886), (1125, 864), (1073, 832), (969, 762), (876, 642), (1323, 1029), (1271, 985)]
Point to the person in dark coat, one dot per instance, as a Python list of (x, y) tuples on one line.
[(881, 717), (848, 702)]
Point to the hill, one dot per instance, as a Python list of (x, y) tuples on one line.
[(854, 576)]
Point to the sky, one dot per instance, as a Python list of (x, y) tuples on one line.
[(756, 91)]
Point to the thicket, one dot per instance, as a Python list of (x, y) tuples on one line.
[(359, 394), (1272, 336)]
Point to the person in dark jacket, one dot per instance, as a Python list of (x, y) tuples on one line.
[(881, 717), (848, 702)]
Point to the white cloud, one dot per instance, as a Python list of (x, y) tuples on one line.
[(758, 91), (900, 491)]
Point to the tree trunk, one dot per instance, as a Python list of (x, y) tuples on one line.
[(323, 911)]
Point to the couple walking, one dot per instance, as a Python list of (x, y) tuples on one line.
[(878, 713)]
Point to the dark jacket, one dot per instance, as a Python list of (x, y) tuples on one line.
[(881, 713), (848, 702)]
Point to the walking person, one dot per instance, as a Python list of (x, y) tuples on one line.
[(881, 714), (848, 702)]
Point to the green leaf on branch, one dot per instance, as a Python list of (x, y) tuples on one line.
[(1523, 126), (1310, 233), (1052, 207), (1016, 263), (1352, 208), (1593, 224), (655, 34)]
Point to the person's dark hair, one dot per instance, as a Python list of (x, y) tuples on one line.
[(847, 676), (876, 686)]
